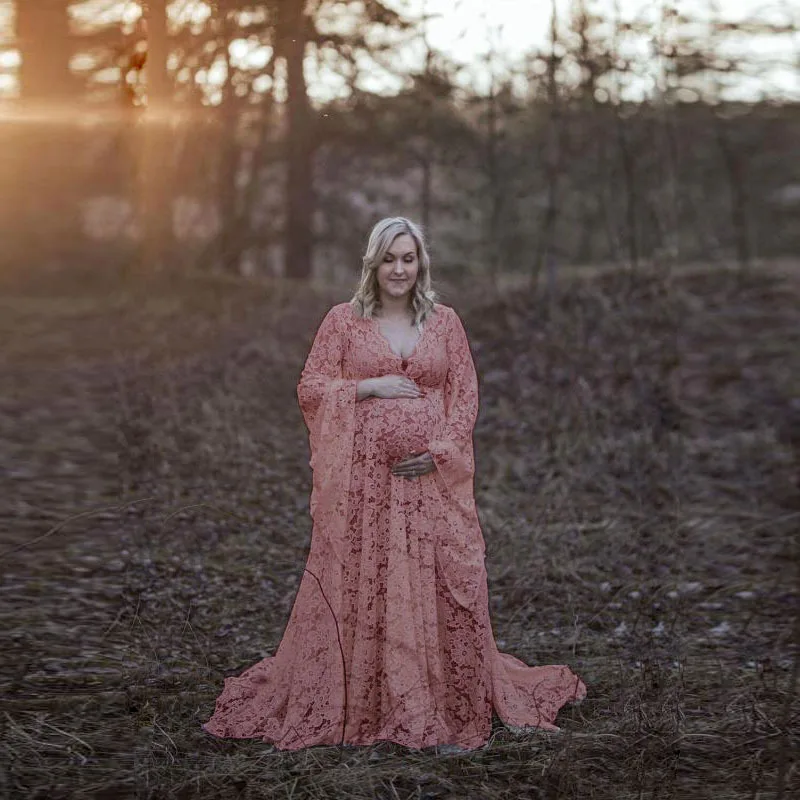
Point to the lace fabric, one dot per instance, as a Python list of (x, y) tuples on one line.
[(389, 637)]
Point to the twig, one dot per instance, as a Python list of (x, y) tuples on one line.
[(171, 741), (202, 505), (61, 524), (66, 733)]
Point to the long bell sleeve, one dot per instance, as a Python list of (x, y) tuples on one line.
[(452, 449), (460, 549), (322, 389), (327, 401)]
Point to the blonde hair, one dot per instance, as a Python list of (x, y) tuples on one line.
[(367, 298)]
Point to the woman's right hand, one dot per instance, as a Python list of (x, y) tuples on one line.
[(392, 387)]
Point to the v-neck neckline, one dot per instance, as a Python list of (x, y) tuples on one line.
[(388, 344)]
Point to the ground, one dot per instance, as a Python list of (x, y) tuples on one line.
[(637, 463)]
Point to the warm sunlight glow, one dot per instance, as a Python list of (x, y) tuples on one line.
[(189, 12), (258, 58), (59, 115), (487, 41), (252, 17), (83, 62), (131, 13), (238, 49), (249, 54), (262, 84), (10, 59), (93, 14), (218, 73)]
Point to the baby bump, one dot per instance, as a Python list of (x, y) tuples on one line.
[(405, 425)]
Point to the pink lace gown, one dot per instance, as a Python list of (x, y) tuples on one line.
[(389, 637)]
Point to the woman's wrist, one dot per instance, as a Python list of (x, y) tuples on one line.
[(364, 389)]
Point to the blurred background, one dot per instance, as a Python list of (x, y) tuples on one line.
[(611, 190), (264, 138)]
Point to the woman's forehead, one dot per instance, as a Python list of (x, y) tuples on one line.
[(402, 244)]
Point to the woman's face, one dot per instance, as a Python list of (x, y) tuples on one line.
[(397, 273)]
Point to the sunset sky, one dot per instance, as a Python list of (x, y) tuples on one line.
[(467, 30)]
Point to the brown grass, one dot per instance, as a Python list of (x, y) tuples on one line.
[(637, 487)]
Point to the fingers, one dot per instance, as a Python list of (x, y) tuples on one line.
[(414, 466), (408, 468), (412, 473), (414, 460), (402, 387)]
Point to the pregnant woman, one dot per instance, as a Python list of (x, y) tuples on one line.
[(389, 637)]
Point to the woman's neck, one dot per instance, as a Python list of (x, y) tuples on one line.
[(395, 307)]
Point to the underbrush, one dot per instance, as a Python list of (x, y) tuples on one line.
[(637, 483)]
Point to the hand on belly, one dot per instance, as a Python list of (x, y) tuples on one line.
[(414, 466), (404, 426)]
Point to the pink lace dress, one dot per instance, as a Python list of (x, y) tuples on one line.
[(389, 637)]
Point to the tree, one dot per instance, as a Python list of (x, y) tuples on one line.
[(297, 30), (41, 203), (293, 33), (156, 159)]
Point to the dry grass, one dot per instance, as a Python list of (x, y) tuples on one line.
[(637, 488)]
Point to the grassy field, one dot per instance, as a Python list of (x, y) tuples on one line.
[(638, 449)]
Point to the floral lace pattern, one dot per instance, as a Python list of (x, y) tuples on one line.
[(389, 637)]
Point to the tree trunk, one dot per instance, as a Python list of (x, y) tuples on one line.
[(426, 143), (553, 159), (43, 36), (41, 218), (631, 215), (261, 236), (230, 238), (494, 182), (298, 234), (155, 165), (426, 189), (626, 156), (737, 185)]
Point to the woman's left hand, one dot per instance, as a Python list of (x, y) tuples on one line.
[(414, 466)]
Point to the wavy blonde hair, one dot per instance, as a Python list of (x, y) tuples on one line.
[(367, 298)]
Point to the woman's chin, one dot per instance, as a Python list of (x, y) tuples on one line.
[(398, 292)]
